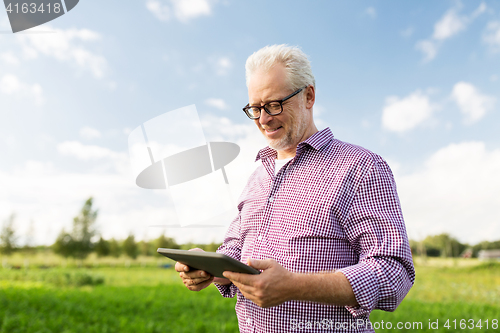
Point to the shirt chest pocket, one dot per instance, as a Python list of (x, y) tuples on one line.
[(313, 210), (312, 221)]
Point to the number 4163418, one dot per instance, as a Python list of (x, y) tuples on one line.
[(471, 324), (33, 8)]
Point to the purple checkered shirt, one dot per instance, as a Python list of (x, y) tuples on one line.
[(334, 206)]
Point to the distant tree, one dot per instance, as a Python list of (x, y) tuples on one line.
[(8, 238), (130, 247), (30, 238), (432, 251), (189, 245), (212, 247), (114, 248), (84, 230), (64, 244), (413, 246), (144, 247), (102, 248), (78, 243), (166, 242), (485, 245), (444, 245)]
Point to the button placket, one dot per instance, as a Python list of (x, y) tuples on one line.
[(268, 211)]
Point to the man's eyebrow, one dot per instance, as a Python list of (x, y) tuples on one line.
[(265, 102)]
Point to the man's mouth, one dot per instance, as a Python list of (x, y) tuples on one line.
[(272, 130)]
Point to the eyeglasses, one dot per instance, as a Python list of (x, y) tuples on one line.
[(272, 108)]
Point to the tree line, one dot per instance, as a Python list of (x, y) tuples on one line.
[(82, 240), (447, 246)]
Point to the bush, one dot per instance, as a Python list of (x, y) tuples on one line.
[(57, 277)]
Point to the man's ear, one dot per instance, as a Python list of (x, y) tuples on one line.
[(310, 95)]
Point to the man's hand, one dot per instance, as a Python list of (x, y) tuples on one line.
[(194, 280), (270, 288)]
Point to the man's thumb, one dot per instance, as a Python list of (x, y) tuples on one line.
[(260, 264)]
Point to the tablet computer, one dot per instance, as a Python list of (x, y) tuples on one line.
[(211, 262)]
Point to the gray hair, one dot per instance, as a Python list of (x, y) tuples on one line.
[(297, 65)]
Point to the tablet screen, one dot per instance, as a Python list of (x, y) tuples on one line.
[(211, 262)]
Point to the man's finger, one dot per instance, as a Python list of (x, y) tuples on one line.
[(194, 274), (196, 281), (245, 289), (180, 267), (260, 264), (200, 286), (242, 278)]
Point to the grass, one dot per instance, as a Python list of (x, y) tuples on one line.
[(449, 292), (130, 300), (142, 298)]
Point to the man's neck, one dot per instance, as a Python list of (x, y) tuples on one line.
[(290, 152)]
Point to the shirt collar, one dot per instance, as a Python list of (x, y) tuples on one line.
[(315, 141)]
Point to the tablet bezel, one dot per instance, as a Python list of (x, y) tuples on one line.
[(211, 262)]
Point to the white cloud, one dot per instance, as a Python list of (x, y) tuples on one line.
[(4, 23), (471, 102), (66, 46), (456, 191), (50, 197), (86, 152), (218, 103), (492, 36), (222, 65), (479, 10), (371, 11), (365, 123), (429, 48), (9, 58), (448, 26), (407, 32), (11, 85), (188, 9), (161, 11), (89, 133), (401, 115), (319, 110), (10, 141), (183, 10)]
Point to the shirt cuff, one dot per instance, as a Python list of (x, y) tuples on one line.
[(365, 285), (228, 290)]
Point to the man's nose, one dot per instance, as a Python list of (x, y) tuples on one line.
[(265, 118)]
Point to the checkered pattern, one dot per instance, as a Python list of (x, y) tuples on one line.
[(334, 206)]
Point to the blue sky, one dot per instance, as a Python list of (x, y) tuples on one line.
[(416, 82)]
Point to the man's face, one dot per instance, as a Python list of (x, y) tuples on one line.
[(286, 130)]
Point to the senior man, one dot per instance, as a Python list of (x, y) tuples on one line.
[(320, 217)]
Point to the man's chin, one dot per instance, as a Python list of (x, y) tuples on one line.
[(278, 144)]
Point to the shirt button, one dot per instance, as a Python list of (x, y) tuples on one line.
[(260, 237), (249, 321), (271, 199)]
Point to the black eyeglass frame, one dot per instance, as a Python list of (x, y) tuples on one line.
[(248, 106)]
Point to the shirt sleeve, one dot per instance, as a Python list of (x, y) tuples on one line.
[(232, 248), (376, 230)]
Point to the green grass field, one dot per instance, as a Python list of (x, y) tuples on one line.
[(144, 298)]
